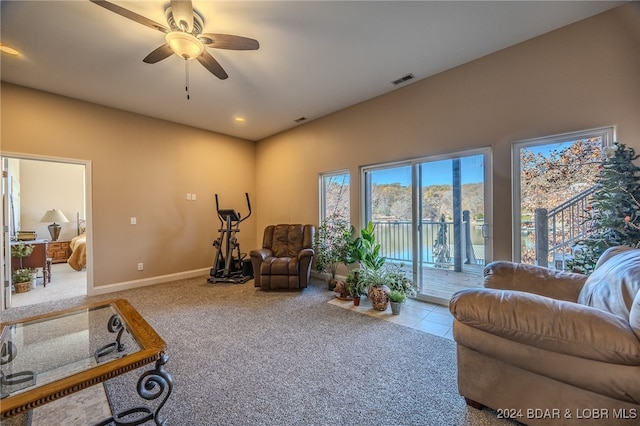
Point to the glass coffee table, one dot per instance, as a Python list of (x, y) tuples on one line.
[(50, 356)]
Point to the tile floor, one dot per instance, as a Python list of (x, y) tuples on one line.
[(423, 316)]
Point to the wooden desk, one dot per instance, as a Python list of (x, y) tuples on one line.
[(38, 258), (59, 251), (50, 356)]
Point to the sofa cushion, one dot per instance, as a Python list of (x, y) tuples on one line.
[(634, 316), (613, 285)]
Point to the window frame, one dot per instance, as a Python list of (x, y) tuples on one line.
[(608, 135), (322, 181)]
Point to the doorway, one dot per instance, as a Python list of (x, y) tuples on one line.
[(433, 215), (33, 187)]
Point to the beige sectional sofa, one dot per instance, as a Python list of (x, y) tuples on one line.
[(546, 347)]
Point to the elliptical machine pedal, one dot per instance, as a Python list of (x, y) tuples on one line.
[(229, 265)]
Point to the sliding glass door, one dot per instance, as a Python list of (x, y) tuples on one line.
[(432, 215)]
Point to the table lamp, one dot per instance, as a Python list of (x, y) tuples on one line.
[(54, 216)]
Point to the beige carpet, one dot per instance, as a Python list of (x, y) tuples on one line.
[(241, 356), (65, 284)]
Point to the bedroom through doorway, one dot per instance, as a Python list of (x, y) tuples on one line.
[(35, 187)]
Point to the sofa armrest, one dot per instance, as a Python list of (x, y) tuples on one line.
[(545, 323), (504, 275)]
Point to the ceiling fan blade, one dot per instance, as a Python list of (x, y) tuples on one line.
[(227, 41), (158, 54), (212, 65), (182, 11), (131, 15)]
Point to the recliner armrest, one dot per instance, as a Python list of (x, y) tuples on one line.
[(554, 325), (305, 253), (262, 253), (547, 282)]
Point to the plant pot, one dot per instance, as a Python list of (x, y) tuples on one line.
[(379, 297), (356, 301), (395, 308), (331, 282), (23, 287)]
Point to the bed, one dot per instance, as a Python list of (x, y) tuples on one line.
[(78, 245)]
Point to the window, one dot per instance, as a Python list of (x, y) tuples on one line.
[(553, 178), (335, 195)]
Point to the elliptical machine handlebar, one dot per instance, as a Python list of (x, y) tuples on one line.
[(223, 214), (248, 205)]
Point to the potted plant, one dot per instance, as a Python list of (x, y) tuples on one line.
[(22, 277), (365, 249), (377, 283), (396, 299), (372, 272), (355, 286), (333, 244), (401, 287), (400, 281)]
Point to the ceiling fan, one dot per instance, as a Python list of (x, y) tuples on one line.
[(184, 36)]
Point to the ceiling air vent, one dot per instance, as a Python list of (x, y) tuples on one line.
[(300, 120), (402, 79)]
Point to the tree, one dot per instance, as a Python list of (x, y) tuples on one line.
[(614, 213), (550, 178)]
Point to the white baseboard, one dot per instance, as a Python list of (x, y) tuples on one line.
[(127, 285)]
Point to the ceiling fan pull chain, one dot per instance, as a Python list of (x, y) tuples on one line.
[(186, 71)]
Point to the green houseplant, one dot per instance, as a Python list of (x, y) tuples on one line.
[(377, 283), (333, 244), (366, 250), (356, 286), (396, 298), (372, 274), (22, 277)]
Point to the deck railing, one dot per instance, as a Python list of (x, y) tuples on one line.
[(558, 229), (437, 241)]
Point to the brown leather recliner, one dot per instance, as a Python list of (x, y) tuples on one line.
[(284, 261)]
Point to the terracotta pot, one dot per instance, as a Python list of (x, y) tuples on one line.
[(331, 282), (379, 297), (356, 301)]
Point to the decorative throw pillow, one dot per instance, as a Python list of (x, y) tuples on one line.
[(614, 284)]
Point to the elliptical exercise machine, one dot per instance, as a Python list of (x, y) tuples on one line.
[(229, 265)]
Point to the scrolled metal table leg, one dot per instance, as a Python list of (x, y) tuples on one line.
[(151, 386)]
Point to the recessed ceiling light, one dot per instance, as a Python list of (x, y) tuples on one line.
[(239, 119), (8, 50)]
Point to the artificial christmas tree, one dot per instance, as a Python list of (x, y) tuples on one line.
[(614, 212)]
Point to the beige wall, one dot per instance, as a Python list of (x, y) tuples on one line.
[(141, 167), (46, 185), (579, 77)]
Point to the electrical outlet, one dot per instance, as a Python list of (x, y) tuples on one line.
[(140, 266), (193, 197), (189, 197), (133, 221)]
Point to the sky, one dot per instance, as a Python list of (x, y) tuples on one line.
[(434, 172)]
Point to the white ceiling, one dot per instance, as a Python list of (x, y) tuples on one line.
[(315, 57)]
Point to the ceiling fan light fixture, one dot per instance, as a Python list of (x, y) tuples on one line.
[(8, 50), (184, 44)]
